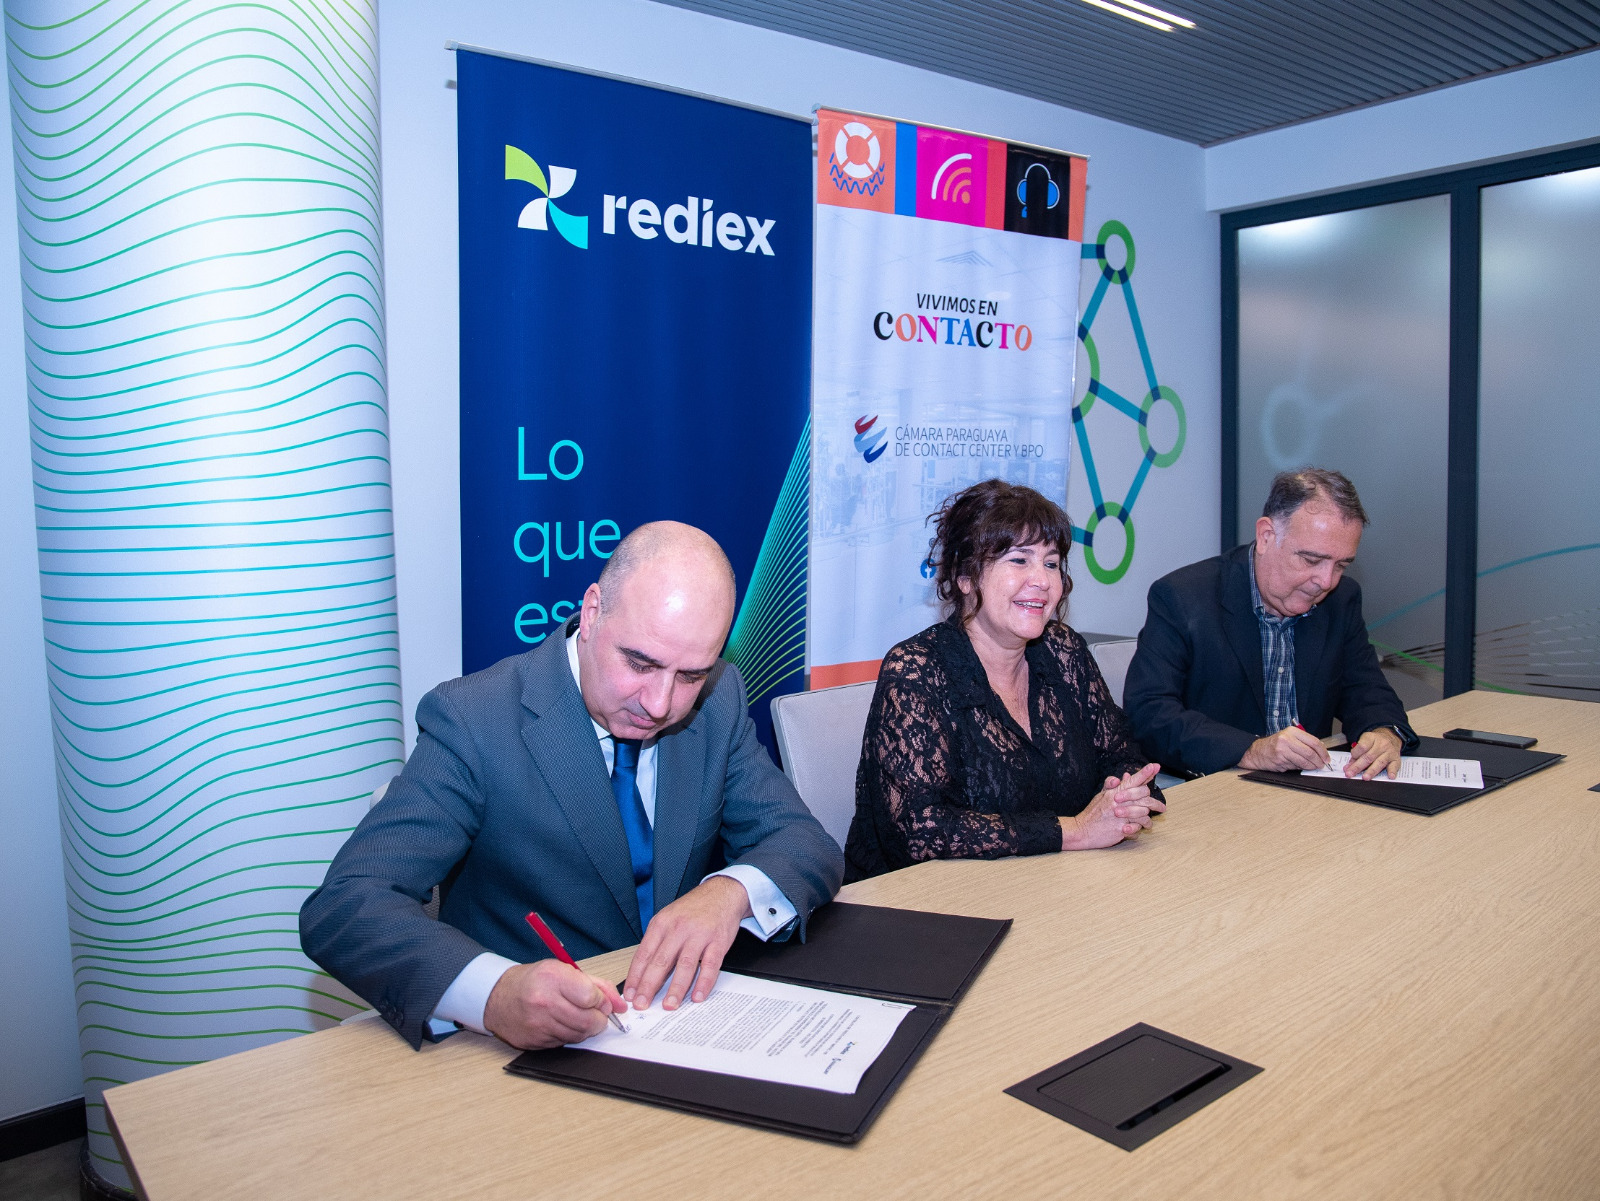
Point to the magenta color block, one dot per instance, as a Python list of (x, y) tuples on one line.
[(951, 187)]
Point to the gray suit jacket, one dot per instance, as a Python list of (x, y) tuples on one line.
[(506, 804)]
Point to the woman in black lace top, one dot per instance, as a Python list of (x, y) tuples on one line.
[(992, 733)]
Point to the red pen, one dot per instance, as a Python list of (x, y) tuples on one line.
[(548, 937)]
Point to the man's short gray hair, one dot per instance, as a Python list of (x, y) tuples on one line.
[(1292, 489)]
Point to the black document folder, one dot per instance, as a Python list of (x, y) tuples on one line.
[(1500, 764), (927, 960)]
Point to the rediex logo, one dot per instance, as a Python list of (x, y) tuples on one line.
[(519, 165), (693, 223)]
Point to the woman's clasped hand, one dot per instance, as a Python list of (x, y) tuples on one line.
[(1119, 810)]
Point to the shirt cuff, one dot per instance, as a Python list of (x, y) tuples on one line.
[(770, 909), (468, 995)]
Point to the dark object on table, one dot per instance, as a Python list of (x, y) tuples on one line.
[(1520, 742), (1500, 765), (925, 959), (1134, 1085)]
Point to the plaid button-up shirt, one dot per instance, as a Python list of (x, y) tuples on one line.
[(1277, 658)]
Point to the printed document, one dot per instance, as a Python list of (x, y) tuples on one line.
[(1414, 769), (764, 1030)]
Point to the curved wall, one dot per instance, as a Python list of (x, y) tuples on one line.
[(198, 210)]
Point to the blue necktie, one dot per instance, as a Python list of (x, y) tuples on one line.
[(641, 840)]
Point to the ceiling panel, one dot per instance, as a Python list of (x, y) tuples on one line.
[(1248, 65)]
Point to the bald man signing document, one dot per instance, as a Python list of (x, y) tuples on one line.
[(609, 779)]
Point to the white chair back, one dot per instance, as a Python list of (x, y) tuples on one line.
[(819, 737), (1113, 656)]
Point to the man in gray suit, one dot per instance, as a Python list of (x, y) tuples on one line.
[(611, 780)]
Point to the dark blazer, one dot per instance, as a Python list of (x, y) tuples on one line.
[(1195, 692), (506, 804)]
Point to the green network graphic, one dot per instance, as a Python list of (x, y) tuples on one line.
[(1139, 413)]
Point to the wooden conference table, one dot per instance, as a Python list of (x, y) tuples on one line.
[(1424, 994)]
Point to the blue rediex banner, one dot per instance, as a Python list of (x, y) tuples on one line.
[(635, 345)]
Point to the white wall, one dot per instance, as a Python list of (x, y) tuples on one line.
[(1151, 183), (1503, 116), (39, 1053)]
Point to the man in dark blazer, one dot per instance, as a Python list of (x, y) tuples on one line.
[(609, 779), (1246, 659)]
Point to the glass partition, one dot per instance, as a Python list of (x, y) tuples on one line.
[(1344, 363), (1538, 625)]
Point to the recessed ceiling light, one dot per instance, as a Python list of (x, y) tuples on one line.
[(1157, 18), (1159, 13)]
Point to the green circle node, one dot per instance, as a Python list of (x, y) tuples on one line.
[(1162, 392), (1088, 400), (1114, 229), (1112, 509)]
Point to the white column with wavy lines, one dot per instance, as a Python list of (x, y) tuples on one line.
[(198, 203)]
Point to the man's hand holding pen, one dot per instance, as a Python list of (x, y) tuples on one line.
[(546, 1004), (553, 1001), (1290, 749)]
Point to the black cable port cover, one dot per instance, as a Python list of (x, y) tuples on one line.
[(1134, 1085)]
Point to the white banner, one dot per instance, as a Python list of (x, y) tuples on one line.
[(943, 354)]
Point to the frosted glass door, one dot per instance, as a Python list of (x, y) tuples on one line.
[(1538, 627), (1344, 363)]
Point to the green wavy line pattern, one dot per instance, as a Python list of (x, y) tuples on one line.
[(201, 247)]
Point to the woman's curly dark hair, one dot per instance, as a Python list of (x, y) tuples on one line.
[(979, 524)]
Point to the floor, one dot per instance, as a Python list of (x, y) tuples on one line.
[(48, 1175)]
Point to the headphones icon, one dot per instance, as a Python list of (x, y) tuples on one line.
[(1052, 192)]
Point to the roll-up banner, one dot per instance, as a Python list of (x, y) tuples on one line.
[(945, 330), (635, 345)]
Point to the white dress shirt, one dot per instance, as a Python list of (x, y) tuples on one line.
[(464, 1001)]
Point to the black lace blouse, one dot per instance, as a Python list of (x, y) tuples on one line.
[(947, 773)]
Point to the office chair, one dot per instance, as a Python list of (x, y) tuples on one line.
[(1113, 655), (819, 738)]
